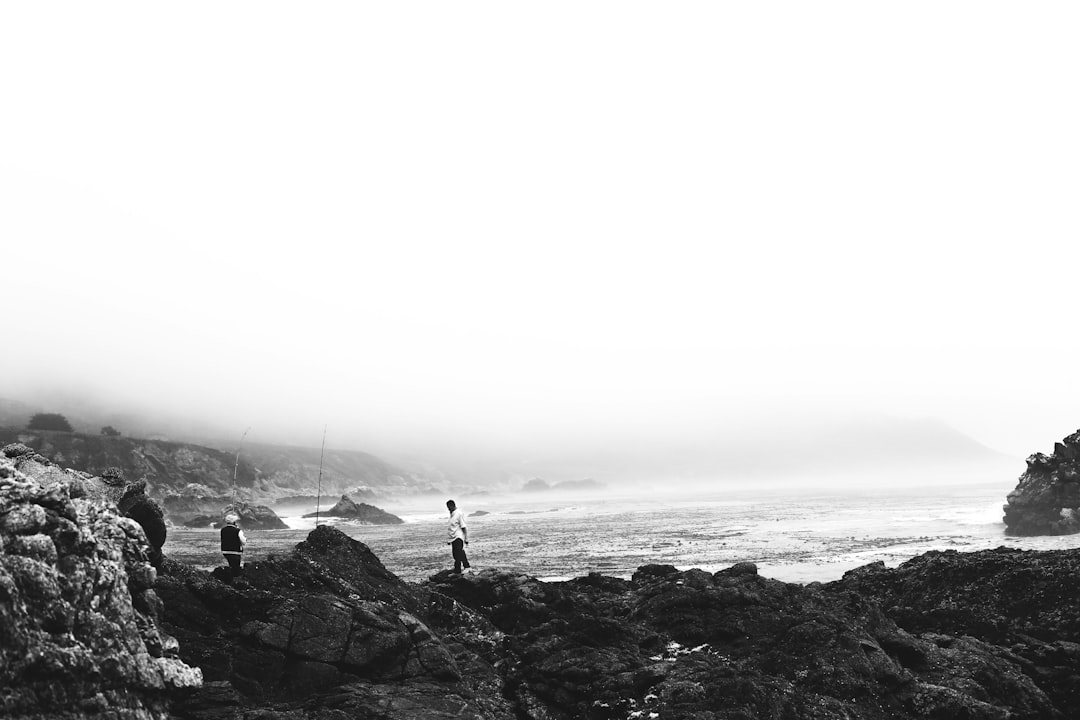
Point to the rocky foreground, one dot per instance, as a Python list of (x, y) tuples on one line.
[(328, 632), (79, 629), (89, 629)]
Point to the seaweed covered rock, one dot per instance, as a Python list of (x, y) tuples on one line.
[(79, 633), (1046, 500)]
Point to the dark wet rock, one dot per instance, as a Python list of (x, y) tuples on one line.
[(329, 632), (327, 627), (346, 507), (1020, 605), (79, 632), (1046, 500), (732, 644)]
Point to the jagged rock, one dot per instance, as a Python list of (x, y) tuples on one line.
[(79, 633), (129, 497), (1046, 500), (327, 627), (329, 630), (368, 514), (1018, 606), (253, 517), (732, 644)]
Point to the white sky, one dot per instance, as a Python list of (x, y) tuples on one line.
[(494, 219)]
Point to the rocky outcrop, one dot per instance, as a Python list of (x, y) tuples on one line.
[(1046, 500), (255, 517), (130, 498), (731, 644), (252, 517), (1013, 612), (325, 630), (79, 635), (362, 512), (989, 635)]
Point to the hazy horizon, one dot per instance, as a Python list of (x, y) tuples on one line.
[(793, 451), (440, 228)]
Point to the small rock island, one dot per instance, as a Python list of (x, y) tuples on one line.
[(347, 508)]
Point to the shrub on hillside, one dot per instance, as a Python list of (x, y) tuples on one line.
[(110, 431), (49, 421)]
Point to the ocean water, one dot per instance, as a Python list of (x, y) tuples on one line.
[(792, 535)]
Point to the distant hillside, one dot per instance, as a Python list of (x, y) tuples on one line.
[(761, 449), (264, 472)]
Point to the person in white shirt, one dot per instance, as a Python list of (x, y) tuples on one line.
[(458, 536)]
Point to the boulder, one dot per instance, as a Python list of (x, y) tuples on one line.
[(1046, 500), (79, 631)]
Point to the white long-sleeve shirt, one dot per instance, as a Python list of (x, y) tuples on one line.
[(456, 530)]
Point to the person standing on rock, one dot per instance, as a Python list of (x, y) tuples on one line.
[(232, 543), (458, 536)]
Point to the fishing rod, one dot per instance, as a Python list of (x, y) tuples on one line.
[(236, 466), (318, 495)]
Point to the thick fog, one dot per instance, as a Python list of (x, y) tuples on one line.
[(674, 237)]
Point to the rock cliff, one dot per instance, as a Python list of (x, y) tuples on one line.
[(990, 635), (189, 479), (79, 635), (1046, 500)]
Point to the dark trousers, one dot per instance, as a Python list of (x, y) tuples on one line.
[(458, 549), (234, 564)]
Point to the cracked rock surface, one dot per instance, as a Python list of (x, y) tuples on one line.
[(325, 630), (79, 630)]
